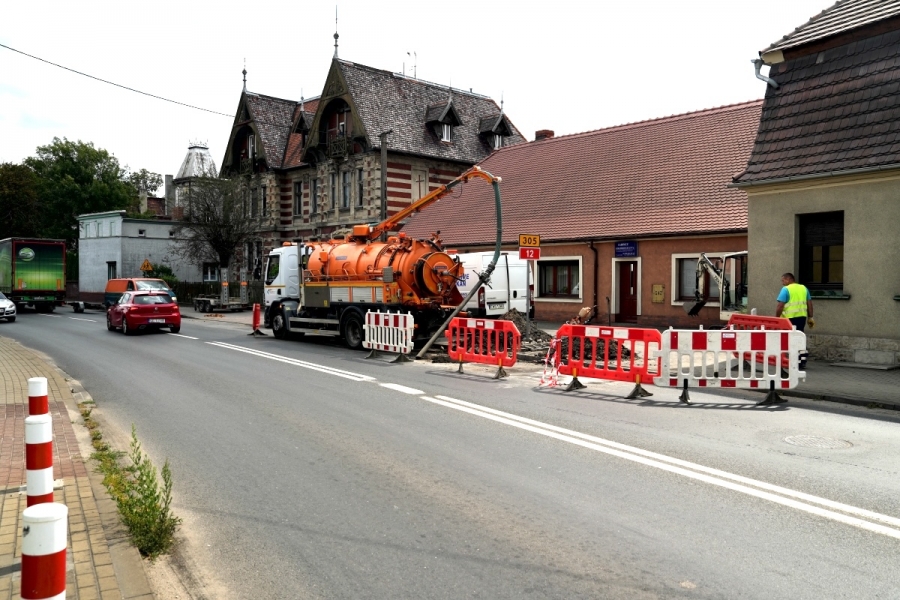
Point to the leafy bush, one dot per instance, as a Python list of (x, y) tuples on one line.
[(163, 272)]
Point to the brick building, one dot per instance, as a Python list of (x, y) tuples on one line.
[(314, 167)]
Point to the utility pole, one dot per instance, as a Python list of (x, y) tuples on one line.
[(383, 137)]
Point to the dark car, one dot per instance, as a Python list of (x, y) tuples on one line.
[(143, 310)]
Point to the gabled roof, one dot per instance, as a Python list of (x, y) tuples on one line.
[(844, 16), (273, 118), (654, 178), (293, 153), (386, 100), (834, 111)]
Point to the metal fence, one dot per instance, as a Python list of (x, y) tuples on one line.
[(186, 291)]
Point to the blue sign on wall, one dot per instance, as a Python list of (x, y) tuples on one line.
[(626, 249)]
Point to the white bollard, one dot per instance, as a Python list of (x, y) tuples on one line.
[(38, 459), (44, 538)]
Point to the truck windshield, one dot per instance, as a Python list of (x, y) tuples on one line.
[(272, 262)]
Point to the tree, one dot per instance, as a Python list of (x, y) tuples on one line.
[(19, 201), (77, 178), (215, 222), (145, 182)]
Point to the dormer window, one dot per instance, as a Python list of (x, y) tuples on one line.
[(446, 132), (441, 118), (493, 129), (498, 141)]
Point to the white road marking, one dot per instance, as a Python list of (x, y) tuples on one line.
[(88, 320), (680, 467), (401, 388), (51, 316), (293, 361), (184, 336)]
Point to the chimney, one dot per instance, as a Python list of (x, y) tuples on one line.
[(543, 134), (143, 200), (170, 195)]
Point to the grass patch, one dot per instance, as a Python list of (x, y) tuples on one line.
[(144, 499)]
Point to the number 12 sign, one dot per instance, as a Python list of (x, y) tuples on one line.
[(530, 253)]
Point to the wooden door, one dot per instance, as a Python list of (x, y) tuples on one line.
[(627, 292)]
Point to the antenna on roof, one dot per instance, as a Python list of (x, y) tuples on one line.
[(501, 104), (301, 99), (336, 36), (245, 75)]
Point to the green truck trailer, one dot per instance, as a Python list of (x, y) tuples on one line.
[(33, 272)]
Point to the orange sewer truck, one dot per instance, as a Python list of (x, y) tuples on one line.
[(326, 288)]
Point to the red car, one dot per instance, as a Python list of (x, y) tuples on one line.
[(143, 310)]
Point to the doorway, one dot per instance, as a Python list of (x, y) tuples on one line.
[(626, 276)]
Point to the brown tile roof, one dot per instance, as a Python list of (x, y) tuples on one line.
[(839, 18), (273, 118), (654, 178), (834, 110), (388, 100)]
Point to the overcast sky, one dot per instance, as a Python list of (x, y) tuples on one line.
[(570, 67)]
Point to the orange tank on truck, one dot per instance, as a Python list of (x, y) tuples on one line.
[(326, 287)]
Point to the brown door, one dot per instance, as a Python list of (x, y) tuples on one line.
[(627, 293)]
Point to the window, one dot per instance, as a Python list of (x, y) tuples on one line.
[(210, 272), (687, 278), (111, 270), (272, 268), (251, 146), (334, 190), (262, 200), (345, 189), (446, 130), (359, 187), (559, 279), (298, 197), (498, 141), (313, 195), (142, 233), (254, 202), (822, 250)]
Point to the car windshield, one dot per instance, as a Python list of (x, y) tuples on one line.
[(152, 285), (153, 299), (2, 296)]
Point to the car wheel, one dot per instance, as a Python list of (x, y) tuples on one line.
[(125, 328), (353, 331), (11, 319), (109, 324), (175, 328), (279, 326)]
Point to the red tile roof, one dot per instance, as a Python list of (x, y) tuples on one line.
[(653, 178)]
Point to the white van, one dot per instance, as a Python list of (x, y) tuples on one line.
[(509, 284)]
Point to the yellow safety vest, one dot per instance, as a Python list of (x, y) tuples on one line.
[(796, 304)]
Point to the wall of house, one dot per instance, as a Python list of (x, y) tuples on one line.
[(865, 327), (657, 262)]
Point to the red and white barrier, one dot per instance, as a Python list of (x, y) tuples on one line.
[(44, 538), (38, 459), (724, 358), (389, 332), (484, 341), (38, 403)]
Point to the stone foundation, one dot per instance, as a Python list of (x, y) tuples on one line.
[(843, 348)]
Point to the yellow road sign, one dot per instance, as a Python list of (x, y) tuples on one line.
[(529, 240), (146, 266)]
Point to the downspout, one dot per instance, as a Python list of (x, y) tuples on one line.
[(758, 63), (596, 279)]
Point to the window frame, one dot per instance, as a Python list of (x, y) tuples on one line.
[(806, 259), (298, 198), (360, 181), (345, 189), (446, 132), (313, 195), (676, 298), (209, 276), (569, 261)]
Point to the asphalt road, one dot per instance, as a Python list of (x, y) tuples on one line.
[(303, 470)]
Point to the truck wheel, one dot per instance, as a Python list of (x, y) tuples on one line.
[(279, 326), (196, 306), (353, 331)]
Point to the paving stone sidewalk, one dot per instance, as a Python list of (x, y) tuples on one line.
[(101, 562)]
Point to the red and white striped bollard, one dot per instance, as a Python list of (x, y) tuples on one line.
[(38, 404), (38, 459), (44, 538)]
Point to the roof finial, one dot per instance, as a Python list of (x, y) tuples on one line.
[(501, 104), (336, 36), (301, 99), (245, 75)]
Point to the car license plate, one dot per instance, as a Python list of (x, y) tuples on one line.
[(156, 320), (496, 305)]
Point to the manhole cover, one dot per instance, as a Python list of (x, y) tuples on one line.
[(811, 441)]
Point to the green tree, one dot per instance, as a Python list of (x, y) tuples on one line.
[(77, 178), (215, 222), (19, 201)]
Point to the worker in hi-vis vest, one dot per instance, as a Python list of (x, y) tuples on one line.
[(795, 304)]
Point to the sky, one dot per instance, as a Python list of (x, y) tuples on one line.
[(573, 66)]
